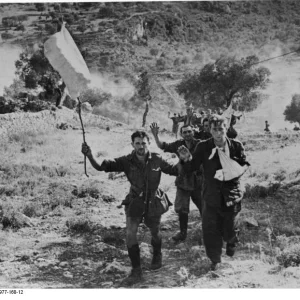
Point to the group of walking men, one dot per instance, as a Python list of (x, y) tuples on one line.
[(195, 179)]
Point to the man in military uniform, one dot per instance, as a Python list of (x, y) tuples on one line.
[(143, 170), (221, 199), (203, 134), (188, 186)]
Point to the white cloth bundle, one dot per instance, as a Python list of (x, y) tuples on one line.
[(63, 54), (230, 168)]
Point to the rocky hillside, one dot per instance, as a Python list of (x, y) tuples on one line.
[(166, 38)]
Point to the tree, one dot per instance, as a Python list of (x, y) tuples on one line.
[(143, 90), (35, 70), (292, 111), (227, 79), (40, 6)]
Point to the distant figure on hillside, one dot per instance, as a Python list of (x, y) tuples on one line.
[(296, 128), (267, 129), (176, 120)]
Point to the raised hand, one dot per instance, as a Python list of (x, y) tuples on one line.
[(184, 154), (154, 129)]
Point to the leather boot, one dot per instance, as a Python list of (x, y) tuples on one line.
[(183, 223), (136, 272), (157, 255), (230, 249)]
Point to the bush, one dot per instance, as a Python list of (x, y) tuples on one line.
[(6, 36), (290, 257), (161, 63), (261, 191), (69, 19), (106, 12), (153, 52), (51, 29), (80, 225), (40, 6), (94, 96)]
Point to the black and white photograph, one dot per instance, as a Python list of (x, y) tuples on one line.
[(149, 145)]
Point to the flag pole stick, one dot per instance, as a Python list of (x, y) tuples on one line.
[(83, 133)]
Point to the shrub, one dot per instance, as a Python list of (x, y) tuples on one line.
[(177, 62), (290, 257), (51, 29), (80, 225), (94, 96), (161, 63), (260, 191), (6, 36), (106, 12), (40, 6), (153, 52)]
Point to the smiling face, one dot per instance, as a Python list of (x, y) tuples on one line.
[(141, 146), (187, 133)]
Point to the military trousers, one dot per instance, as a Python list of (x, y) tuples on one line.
[(218, 225), (182, 200)]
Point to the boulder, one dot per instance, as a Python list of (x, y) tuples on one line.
[(115, 267)]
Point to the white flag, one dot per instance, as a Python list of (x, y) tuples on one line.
[(64, 56)]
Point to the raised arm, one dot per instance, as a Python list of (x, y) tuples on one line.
[(189, 162), (168, 168), (115, 165), (155, 129)]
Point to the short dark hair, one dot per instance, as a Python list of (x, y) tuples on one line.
[(140, 134), (216, 120), (205, 120), (184, 126)]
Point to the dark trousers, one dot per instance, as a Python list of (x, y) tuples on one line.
[(218, 225), (182, 200)]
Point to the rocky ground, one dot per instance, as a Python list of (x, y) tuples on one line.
[(68, 231)]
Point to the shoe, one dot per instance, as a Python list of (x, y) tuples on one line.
[(230, 249), (156, 262), (180, 236), (183, 223), (214, 266), (135, 276)]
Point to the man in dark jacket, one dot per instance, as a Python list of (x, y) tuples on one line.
[(221, 203), (188, 186), (203, 134), (143, 170)]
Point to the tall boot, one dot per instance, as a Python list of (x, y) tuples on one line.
[(183, 223), (136, 272), (157, 255)]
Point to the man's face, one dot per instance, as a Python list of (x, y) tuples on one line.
[(141, 146), (187, 133), (218, 132), (206, 126)]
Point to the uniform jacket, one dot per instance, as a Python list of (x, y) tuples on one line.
[(188, 182), (213, 188), (202, 135), (136, 173)]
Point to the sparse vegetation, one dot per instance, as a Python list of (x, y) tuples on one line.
[(64, 229)]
